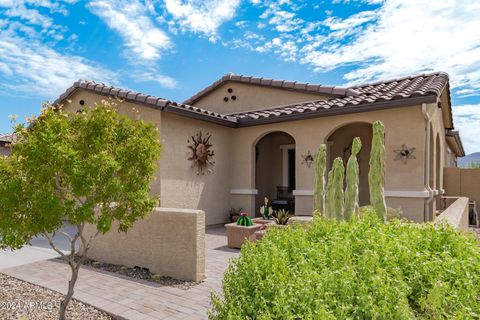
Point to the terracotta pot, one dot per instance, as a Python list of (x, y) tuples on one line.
[(236, 235), (262, 221)]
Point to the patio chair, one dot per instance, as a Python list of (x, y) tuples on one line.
[(284, 200)]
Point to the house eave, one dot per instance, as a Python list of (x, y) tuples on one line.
[(339, 111)]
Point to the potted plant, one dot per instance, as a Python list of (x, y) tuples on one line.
[(267, 213), (281, 217), (243, 229)]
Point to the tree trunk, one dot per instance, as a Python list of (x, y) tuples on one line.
[(71, 284)]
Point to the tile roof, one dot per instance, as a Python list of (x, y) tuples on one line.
[(453, 139), (280, 84), (152, 101), (421, 88), (9, 137)]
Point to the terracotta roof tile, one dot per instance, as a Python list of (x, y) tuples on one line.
[(353, 99), (424, 85), (267, 82), (9, 137), (152, 101)]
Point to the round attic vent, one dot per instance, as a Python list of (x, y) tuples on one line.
[(234, 97), (230, 90), (225, 99), (82, 102)]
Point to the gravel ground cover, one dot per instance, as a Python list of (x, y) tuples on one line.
[(20, 300), (139, 274)]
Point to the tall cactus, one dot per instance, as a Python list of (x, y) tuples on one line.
[(376, 175), (334, 202), (319, 183), (351, 192)]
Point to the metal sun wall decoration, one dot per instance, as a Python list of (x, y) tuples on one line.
[(404, 154), (308, 159), (200, 153)]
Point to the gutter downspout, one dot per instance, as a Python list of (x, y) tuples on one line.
[(426, 166)]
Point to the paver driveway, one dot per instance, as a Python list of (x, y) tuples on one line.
[(131, 299)]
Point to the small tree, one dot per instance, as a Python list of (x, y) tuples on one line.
[(90, 167)]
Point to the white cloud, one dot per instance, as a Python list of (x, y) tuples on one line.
[(200, 16), (32, 68), (154, 76), (132, 20), (467, 120), (409, 37)]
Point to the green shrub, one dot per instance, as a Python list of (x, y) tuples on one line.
[(362, 269)]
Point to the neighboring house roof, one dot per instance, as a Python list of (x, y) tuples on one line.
[(7, 137), (424, 88), (151, 101), (272, 83), (455, 143)]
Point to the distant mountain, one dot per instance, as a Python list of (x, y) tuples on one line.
[(469, 158)]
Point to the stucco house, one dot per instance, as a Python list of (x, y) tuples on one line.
[(260, 136), (5, 140)]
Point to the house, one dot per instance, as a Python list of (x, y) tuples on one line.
[(5, 140), (243, 138)]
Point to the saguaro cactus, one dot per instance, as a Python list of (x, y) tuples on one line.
[(334, 202), (376, 175), (351, 193), (319, 183)]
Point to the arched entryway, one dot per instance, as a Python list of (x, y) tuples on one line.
[(339, 144), (275, 169)]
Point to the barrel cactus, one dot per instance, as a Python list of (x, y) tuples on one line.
[(334, 202), (376, 175), (244, 220), (319, 183), (352, 207)]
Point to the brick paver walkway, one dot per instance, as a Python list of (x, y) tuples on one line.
[(131, 299)]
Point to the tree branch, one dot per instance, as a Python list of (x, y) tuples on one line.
[(50, 242)]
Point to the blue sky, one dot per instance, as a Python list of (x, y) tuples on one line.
[(173, 48)]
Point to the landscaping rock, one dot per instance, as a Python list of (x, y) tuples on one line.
[(23, 300)]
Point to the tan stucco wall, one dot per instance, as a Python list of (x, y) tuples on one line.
[(450, 158), (169, 242), (182, 187), (145, 113), (402, 125), (464, 182), (251, 97), (456, 214), (4, 151)]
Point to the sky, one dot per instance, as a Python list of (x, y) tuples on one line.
[(174, 48)]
